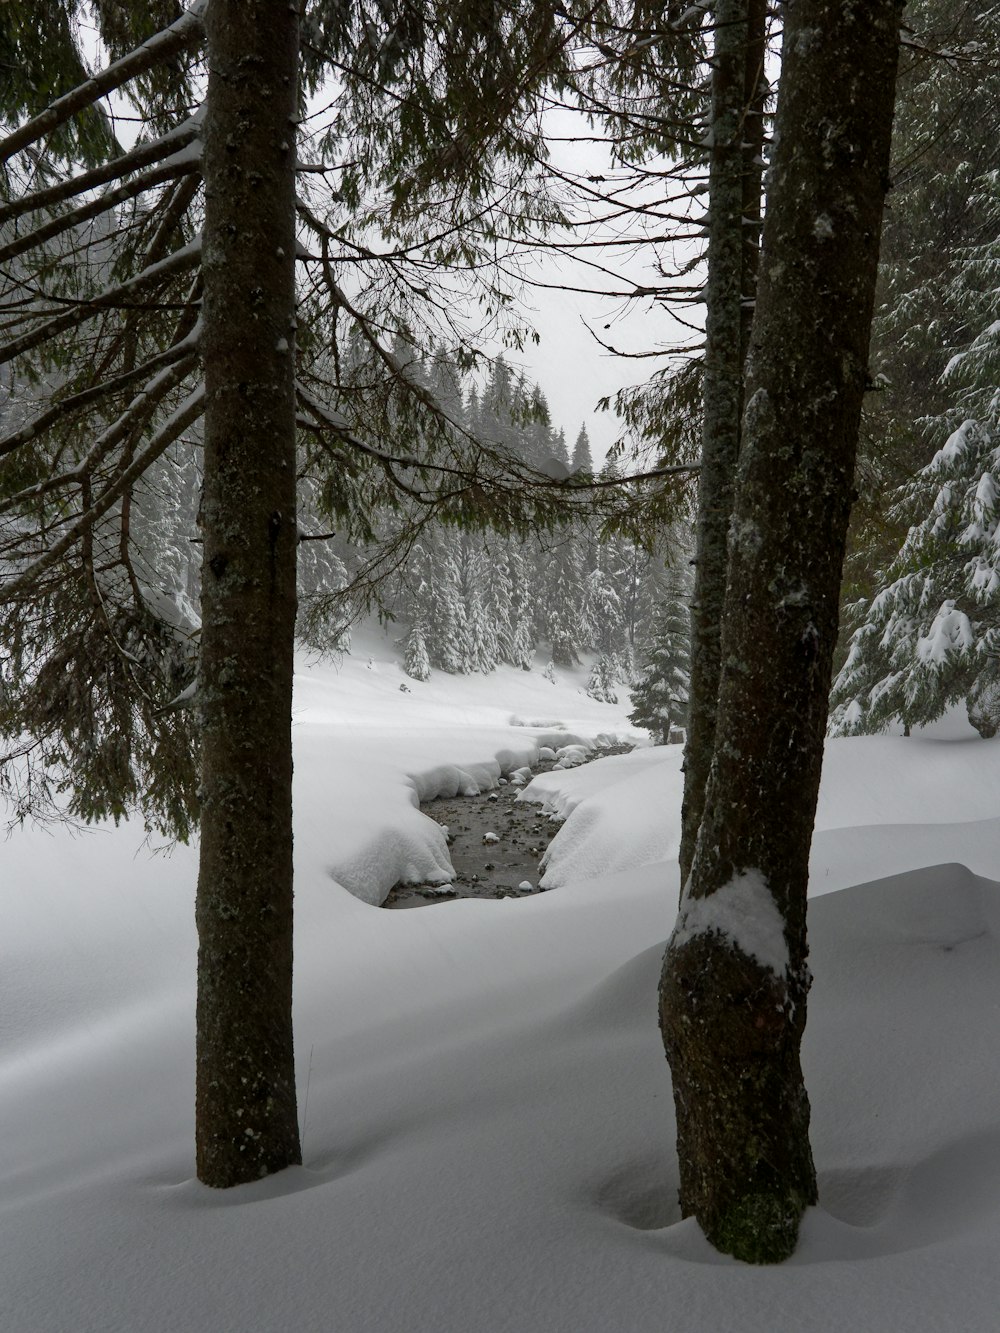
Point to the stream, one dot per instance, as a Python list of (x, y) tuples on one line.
[(495, 842)]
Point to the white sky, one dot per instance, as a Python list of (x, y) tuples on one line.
[(570, 363)]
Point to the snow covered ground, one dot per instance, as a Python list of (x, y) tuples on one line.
[(486, 1109)]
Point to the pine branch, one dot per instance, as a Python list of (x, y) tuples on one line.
[(132, 419), (78, 401), (111, 298), (181, 164), (180, 36), (145, 155), (185, 415)]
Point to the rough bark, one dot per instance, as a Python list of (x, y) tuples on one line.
[(732, 1025), (246, 1113), (736, 70), (755, 91)]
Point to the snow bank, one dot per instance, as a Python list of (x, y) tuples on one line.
[(886, 804), (619, 813), (486, 1110)]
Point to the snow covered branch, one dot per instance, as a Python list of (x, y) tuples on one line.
[(181, 36), (189, 411)]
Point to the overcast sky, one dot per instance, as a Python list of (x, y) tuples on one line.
[(569, 363)]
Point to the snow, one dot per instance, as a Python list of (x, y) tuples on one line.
[(745, 914), (957, 442), (950, 632), (487, 1116)]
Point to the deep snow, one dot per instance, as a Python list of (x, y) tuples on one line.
[(487, 1118)]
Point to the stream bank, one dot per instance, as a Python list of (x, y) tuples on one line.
[(495, 841)]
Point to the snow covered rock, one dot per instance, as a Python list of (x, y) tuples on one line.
[(569, 756)]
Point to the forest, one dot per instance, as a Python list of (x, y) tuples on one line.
[(294, 545)]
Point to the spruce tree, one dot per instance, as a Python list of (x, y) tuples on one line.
[(447, 630), (498, 600), (937, 273), (482, 639), (660, 696), (931, 635), (119, 344), (732, 1015), (522, 608), (246, 1121), (416, 663), (561, 603), (582, 460)]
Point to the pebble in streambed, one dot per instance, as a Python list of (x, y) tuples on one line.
[(495, 841)]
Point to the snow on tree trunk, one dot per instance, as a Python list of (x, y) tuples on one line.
[(246, 1114), (734, 984)]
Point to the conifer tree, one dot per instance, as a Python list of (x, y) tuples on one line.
[(561, 604), (931, 635), (522, 609), (938, 269), (482, 638), (660, 696), (120, 346), (448, 639), (498, 600), (603, 679), (732, 1020), (416, 663), (582, 461)]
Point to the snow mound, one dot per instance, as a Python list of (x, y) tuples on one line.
[(620, 812)]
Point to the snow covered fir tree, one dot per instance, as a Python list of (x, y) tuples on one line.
[(660, 696), (931, 635)]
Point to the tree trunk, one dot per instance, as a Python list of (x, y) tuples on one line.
[(733, 992), (755, 92), (736, 72), (246, 1115)]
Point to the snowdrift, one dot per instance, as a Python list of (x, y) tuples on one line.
[(486, 1110)]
